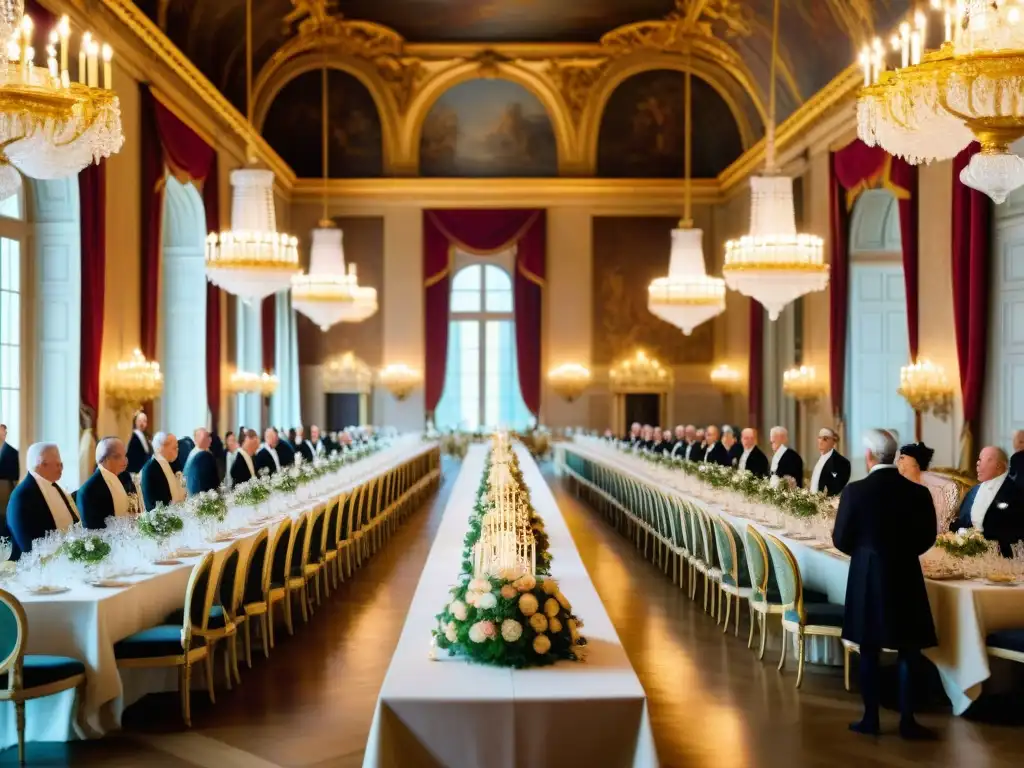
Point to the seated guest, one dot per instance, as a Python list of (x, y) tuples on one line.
[(678, 449), (317, 444), (201, 472), (732, 446), (832, 470), (646, 440), (1016, 461), (139, 449), (159, 485), (752, 459), (786, 463), (243, 468), (714, 451), (666, 444), (185, 446), (633, 436), (702, 440), (268, 457), (285, 452), (292, 435), (691, 451), (303, 447), (219, 454), (103, 495), (913, 462), (38, 504), (10, 468), (885, 523), (995, 506)]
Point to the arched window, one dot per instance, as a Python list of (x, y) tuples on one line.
[(481, 388), (12, 237), (183, 358)]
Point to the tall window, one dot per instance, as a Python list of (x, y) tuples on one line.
[(11, 227), (481, 377)]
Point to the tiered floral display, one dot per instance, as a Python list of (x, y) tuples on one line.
[(507, 616)]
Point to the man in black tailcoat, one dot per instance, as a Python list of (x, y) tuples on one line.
[(885, 523), (714, 451), (201, 472), (831, 471), (752, 459), (786, 463), (139, 449)]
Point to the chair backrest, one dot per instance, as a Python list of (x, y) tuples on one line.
[(315, 547), (254, 586), (757, 560), (298, 545), (787, 573), (227, 587), (13, 637), (331, 524), (199, 596), (279, 552), (728, 549)]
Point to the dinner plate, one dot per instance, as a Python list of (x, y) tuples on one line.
[(1001, 582), (186, 553), (110, 583), (48, 590), (167, 562), (944, 576)]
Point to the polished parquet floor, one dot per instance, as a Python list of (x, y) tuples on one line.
[(712, 704)]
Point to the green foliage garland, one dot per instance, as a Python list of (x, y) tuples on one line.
[(159, 523), (89, 550)]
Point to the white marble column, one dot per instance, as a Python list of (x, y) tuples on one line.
[(248, 344)]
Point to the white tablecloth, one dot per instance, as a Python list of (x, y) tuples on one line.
[(455, 714), (964, 611), (85, 623)]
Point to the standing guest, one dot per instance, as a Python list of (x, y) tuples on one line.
[(912, 462), (159, 485), (714, 451), (139, 449), (786, 463), (38, 504), (752, 459), (303, 447), (316, 443), (243, 468), (201, 473), (1016, 461), (885, 523), (268, 457), (832, 470), (10, 468), (995, 506), (103, 495), (732, 446)]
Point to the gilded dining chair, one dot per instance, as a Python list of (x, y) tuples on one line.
[(24, 677), (801, 617), (254, 584), (313, 561), (765, 599), (177, 645), (278, 565), (735, 581), (332, 543)]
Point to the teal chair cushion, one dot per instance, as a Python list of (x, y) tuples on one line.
[(152, 643), (216, 620), (44, 670), (820, 614), (810, 596)]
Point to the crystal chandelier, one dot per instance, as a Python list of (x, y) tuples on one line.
[(400, 380), (50, 126), (268, 384), (640, 372), (688, 296), (802, 383), (328, 294), (773, 264), (348, 374), (569, 380), (924, 386), (726, 378), (252, 260), (935, 103), (134, 381), (242, 382)]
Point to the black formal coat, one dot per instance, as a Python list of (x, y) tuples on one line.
[(791, 465), (95, 502), (202, 474), (757, 463), (1004, 518), (286, 453), (1016, 468), (10, 467), (717, 454), (28, 515), (306, 452), (185, 447), (126, 481), (734, 454), (834, 475), (137, 454), (678, 449), (885, 523), (263, 460), (240, 470), (154, 485)]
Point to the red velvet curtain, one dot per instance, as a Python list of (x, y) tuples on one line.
[(268, 323), (484, 232), (92, 195), (755, 366), (211, 204), (853, 169), (153, 170), (972, 231)]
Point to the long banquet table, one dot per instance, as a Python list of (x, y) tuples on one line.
[(964, 611), (85, 623), (449, 712)]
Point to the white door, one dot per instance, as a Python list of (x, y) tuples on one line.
[(878, 348), (1004, 392)]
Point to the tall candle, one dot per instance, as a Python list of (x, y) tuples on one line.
[(949, 27), (64, 31), (108, 75), (94, 64), (83, 70)]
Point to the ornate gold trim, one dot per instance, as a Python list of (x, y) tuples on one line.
[(770, 266)]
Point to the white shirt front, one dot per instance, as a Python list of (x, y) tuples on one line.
[(819, 468), (177, 492), (743, 458), (689, 450), (62, 517), (675, 448), (707, 451), (775, 479), (983, 500), (273, 452), (142, 439), (117, 492)]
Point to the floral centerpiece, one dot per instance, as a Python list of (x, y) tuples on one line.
[(252, 492), (209, 505), (89, 550), (160, 523), (967, 542)]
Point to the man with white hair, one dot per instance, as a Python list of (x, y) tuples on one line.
[(159, 485), (319, 446), (692, 451), (201, 472), (786, 463), (885, 523), (832, 470), (752, 459), (268, 458), (103, 495), (38, 504)]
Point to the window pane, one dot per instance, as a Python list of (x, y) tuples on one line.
[(10, 251), (10, 332), (467, 279), (11, 207), (499, 301), (465, 301), (497, 279)]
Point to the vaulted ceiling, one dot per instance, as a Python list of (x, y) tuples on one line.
[(818, 38)]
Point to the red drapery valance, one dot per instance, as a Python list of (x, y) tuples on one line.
[(972, 223), (170, 146), (853, 169), (484, 233), (92, 195)]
